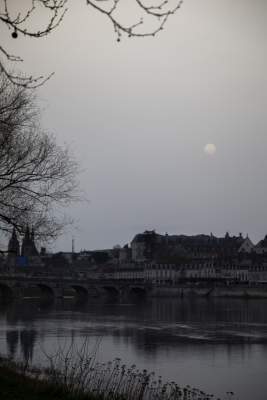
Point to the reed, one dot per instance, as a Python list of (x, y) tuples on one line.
[(73, 372), (79, 372)]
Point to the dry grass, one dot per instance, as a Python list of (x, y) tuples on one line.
[(73, 373), (78, 370)]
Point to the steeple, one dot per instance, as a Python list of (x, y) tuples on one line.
[(34, 249), (14, 235), (27, 233), (28, 245), (13, 245)]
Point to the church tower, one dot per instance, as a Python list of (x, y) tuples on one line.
[(34, 249), (13, 248), (13, 245), (26, 243), (29, 250)]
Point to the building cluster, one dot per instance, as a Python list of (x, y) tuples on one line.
[(154, 257), (169, 259)]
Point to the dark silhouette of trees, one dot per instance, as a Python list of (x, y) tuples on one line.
[(36, 174), (21, 19)]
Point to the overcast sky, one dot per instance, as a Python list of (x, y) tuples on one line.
[(138, 114)]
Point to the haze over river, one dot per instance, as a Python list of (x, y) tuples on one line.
[(217, 345)]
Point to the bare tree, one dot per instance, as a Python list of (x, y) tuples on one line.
[(22, 20), (37, 176)]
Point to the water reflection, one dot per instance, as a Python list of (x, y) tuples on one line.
[(27, 341), (198, 341), (12, 341)]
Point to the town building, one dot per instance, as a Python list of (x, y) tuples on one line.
[(261, 247), (151, 246), (155, 258)]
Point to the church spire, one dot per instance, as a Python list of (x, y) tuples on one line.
[(13, 245), (28, 245), (32, 235), (27, 233)]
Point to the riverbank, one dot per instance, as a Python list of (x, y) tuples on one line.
[(112, 381), (15, 385)]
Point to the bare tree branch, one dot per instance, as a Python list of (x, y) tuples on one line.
[(36, 175), (23, 22), (162, 11)]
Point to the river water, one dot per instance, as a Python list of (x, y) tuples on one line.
[(215, 345)]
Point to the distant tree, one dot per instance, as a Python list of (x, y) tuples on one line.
[(36, 175), (22, 19)]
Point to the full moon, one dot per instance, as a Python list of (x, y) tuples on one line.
[(210, 149)]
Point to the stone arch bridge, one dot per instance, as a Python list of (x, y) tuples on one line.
[(15, 286)]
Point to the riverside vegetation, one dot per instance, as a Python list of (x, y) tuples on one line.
[(74, 374)]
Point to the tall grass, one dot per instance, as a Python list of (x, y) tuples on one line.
[(78, 372)]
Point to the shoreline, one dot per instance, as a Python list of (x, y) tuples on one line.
[(16, 384), (110, 381)]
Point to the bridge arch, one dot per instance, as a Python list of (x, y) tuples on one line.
[(6, 292), (46, 290), (137, 291), (81, 291), (111, 290)]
